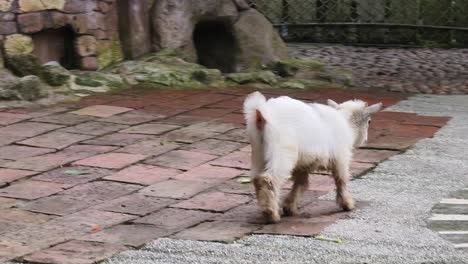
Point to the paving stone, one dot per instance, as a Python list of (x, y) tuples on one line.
[(234, 186), (27, 129), (63, 119), (118, 139), (448, 225), (175, 219), (31, 190), (372, 155), (150, 129), (214, 126), (94, 128), (320, 183), (75, 252), (111, 160), (11, 118), (297, 226), (456, 238), (217, 231), (6, 139), (443, 208), (58, 205), (87, 220), (22, 216), (246, 213), (9, 175), (209, 112), (209, 173), (238, 135), (9, 202), (189, 135), (73, 175), (55, 140), (101, 110), (213, 201), (180, 120), (150, 147), (143, 174), (89, 150), (129, 235), (358, 169), (391, 142), (181, 159), (80, 197), (101, 191), (177, 189), (214, 147), (10, 249), (48, 161), (132, 118), (234, 118), (135, 204), (238, 159), (15, 152)]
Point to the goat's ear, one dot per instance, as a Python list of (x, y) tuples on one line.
[(374, 108), (332, 103)]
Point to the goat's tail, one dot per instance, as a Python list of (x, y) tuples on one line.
[(254, 116)]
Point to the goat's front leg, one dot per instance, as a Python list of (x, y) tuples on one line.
[(267, 190), (301, 184), (341, 176)]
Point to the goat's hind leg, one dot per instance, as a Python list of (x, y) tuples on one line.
[(301, 184), (267, 190), (341, 176)]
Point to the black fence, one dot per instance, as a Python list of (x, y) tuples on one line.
[(373, 22)]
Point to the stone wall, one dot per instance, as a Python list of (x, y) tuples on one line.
[(93, 23)]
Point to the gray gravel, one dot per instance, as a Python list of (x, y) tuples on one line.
[(392, 229), (416, 70)]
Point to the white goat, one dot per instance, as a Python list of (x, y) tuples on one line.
[(292, 138)]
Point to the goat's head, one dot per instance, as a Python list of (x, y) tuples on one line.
[(358, 114)]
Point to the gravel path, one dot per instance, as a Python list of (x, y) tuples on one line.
[(415, 70), (392, 229)]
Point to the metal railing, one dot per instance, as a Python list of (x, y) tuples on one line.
[(391, 22)]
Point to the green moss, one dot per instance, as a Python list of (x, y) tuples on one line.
[(108, 53), (87, 81), (18, 44), (55, 75), (253, 77)]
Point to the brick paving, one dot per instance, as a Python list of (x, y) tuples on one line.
[(82, 181)]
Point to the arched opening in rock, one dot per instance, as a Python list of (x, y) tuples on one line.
[(216, 45), (56, 45)]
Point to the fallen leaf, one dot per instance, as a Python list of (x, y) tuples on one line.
[(244, 180), (334, 240), (76, 172), (96, 228)]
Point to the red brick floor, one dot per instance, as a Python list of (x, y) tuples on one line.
[(80, 182)]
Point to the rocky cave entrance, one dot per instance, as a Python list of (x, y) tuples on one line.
[(216, 45), (56, 45)]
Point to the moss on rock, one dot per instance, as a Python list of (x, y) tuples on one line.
[(55, 75), (108, 53), (18, 44), (24, 64), (266, 77)]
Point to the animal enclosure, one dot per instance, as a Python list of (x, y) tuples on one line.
[(388, 22)]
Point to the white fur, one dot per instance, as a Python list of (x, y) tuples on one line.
[(297, 134)]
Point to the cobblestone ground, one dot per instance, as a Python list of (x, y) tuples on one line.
[(413, 70), (81, 182)]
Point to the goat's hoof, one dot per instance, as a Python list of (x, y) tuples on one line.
[(347, 204), (290, 211), (271, 217)]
